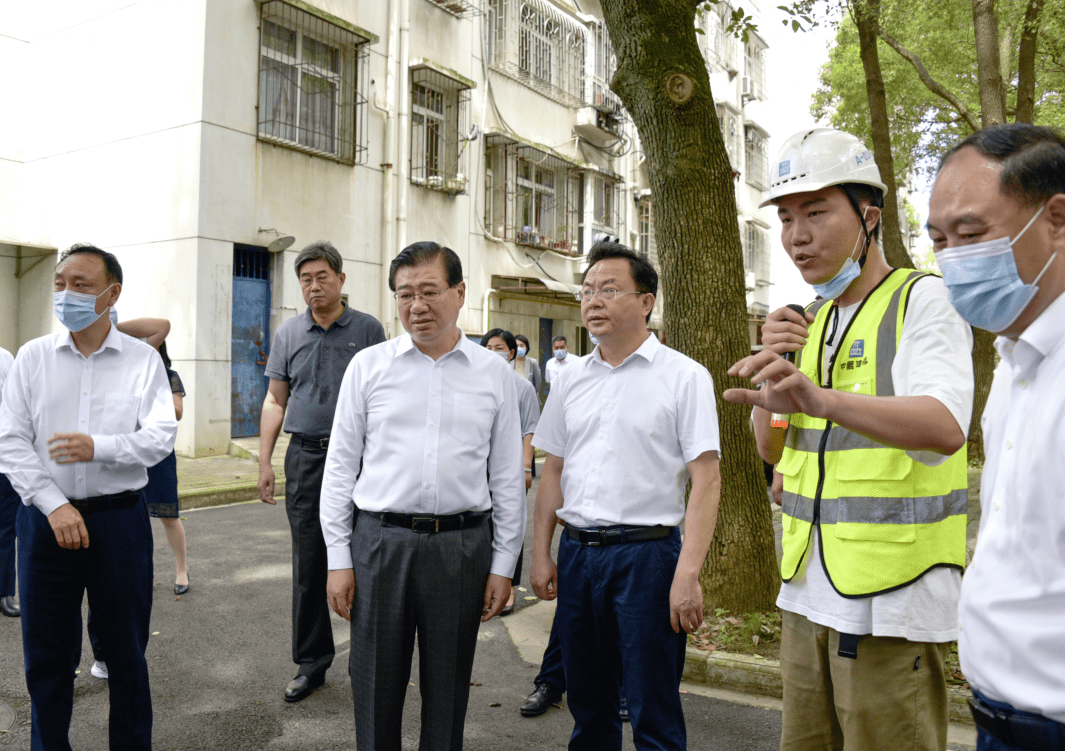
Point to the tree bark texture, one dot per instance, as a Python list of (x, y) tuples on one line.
[(663, 82), (1026, 62), (867, 19), (989, 72), (983, 374)]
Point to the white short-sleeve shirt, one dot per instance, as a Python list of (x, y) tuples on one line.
[(626, 435)]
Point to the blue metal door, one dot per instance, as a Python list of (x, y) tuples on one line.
[(251, 338)]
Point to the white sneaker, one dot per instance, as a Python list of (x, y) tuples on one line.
[(99, 670)]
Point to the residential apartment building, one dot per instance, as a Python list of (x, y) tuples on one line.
[(205, 143)]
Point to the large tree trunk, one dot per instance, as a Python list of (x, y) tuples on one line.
[(663, 82), (989, 72), (983, 373), (867, 19), (1026, 62)]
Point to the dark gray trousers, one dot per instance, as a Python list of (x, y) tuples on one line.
[(312, 633), (406, 583)]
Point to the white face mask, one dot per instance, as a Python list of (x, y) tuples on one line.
[(504, 355), (560, 354)]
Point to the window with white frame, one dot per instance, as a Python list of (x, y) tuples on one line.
[(756, 252), (754, 67), (606, 191), (718, 44), (309, 71), (531, 196), (757, 157), (603, 67), (438, 126), (729, 120), (645, 232), (539, 45)]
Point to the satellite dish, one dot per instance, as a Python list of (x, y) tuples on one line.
[(281, 243)]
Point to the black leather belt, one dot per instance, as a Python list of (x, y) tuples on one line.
[(429, 523), (314, 443), (1023, 729), (106, 502), (617, 535)]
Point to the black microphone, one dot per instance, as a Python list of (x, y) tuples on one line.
[(790, 356)]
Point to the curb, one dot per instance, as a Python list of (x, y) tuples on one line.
[(753, 675), (221, 495)]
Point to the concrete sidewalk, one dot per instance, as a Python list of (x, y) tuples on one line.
[(220, 480)]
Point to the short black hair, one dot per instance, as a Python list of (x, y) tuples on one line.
[(1032, 158), (421, 253), (322, 250), (558, 339), (858, 192), (506, 336), (643, 273), (164, 355), (112, 268), (523, 339)]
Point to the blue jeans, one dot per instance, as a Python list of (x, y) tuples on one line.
[(613, 623), (116, 571), (987, 742)]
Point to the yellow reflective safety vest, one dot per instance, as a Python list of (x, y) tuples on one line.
[(884, 520)]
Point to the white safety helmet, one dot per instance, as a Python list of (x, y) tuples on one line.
[(817, 158)]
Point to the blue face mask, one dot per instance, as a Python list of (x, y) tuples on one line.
[(594, 340), (522, 351), (983, 282), (560, 354), (76, 310), (847, 273)]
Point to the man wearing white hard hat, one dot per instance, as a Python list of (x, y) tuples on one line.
[(878, 383)]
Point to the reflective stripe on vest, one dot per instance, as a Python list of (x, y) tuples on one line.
[(884, 520)]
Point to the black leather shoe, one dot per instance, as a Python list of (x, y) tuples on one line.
[(623, 712), (302, 686), (8, 607), (540, 700), (180, 589)]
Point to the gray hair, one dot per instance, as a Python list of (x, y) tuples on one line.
[(322, 250)]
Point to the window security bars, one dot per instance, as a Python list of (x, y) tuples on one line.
[(439, 113), (460, 8), (311, 75), (756, 253), (729, 120), (645, 230), (606, 191), (719, 47), (531, 196), (757, 154), (537, 44), (754, 78), (603, 69)]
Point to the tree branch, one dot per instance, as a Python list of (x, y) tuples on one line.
[(928, 81)]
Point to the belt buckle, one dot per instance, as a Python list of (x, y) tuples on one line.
[(426, 524), (595, 538), (323, 444)]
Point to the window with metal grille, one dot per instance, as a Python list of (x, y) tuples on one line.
[(719, 46), (250, 262), (729, 120), (756, 252), (539, 45), (605, 65), (439, 105), (310, 70), (754, 67), (645, 232), (757, 155), (606, 190), (532, 197)]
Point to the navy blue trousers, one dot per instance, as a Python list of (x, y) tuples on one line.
[(116, 572), (1054, 736), (613, 622), (9, 503), (552, 672)]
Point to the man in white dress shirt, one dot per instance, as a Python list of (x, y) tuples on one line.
[(9, 503), (997, 222), (624, 430), (432, 420), (84, 413)]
